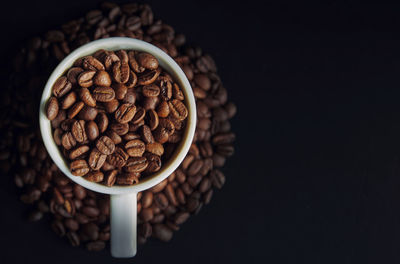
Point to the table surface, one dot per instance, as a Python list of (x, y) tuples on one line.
[(315, 176)]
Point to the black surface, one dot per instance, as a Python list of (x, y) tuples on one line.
[(315, 176)]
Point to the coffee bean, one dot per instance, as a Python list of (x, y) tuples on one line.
[(105, 145), (177, 93), (162, 232), (91, 230), (111, 177), (151, 90), (120, 71), (146, 214), (120, 90), (136, 164), (159, 187), (75, 109), (135, 148), (92, 130), (130, 97), (68, 100), (195, 167), (73, 239), (118, 158), (79, 192), (90, 211), (73, 73), (102, 122), (79, 168), (163, 109), (202, 81), (170, 194), (85, 79), (148, 77), (61, 87), (114, 137), (78, 131), (103, 94), (92, 64), (96, 160), (181, 217), (125, 113), (147, 61), (102, 78), (147, 136), (147, 199), (217, 178), (79, 151), (86, 97), (178, 109), (68, 141), (111, 106), (155, 148), (154, 162), (95, 176), (52, 108), (152, 119)]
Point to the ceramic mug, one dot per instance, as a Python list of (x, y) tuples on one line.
[(123, 211)]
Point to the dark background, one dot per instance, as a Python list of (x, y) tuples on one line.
[(315, 176)]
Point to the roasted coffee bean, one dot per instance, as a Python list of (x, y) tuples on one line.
[(136, 164), (147, 61), (159, 187), (132, 80), (79, 192), (62, 115), (170, 193), (95, 176), (75, 109), (166, 88), (105, 145), (120, 71), (111, 177), (73, 73), (195, 167), (128, 178), (147, 199), (178, 109), (152, 119), (162, 232), (102, 78), (161, 200), (52, 108), (125, 113), (73, 239), (91, 230), (139, 115), (120, 90), (155, 148), (90, 211), (102, 122), (177, 93), (181, 217), (133, 62), (86, 97), (147, 136), (154, 162), (68, 100), (78, 131), (118, 158), (79, 151), (217, 178), (103, 94), (120, 129), (111, 106), (68, 141), (92, 64), (61, 87), (202, 81), (130, 97), (135, 148), (151, 90), (148, 77), (92, 130), (146, 214), (79, 167), (163, 109), (85, 79), (96, 159)]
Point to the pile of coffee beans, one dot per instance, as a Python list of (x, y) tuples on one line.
[(82, 216), (114, 113)]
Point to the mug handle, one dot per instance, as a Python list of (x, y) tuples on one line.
[(123, 225)]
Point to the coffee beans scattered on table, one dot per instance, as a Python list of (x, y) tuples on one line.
[(79, 215), (121, 111)]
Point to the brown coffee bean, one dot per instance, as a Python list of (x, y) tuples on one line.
[(202, 81), (147, 136), (146, 214), (75, 109), (147, 199), (163, 109), (52, 108), (135, 148), (128, 178), (148, 77), (111, 177), (103, 94), (111, 106), (120, 72), (151, 90), (86, 97), (91, 230), (79, 151), (102, 122), (170, 194), (223, 138), (78, 131), (57, 136), (90, 211), (181, 217), (73, 239), (177, 93), (107, 166), (154, 162), (96, 159), (145, 230), (133, 62), (131, 136), (159, 187), (92, 131), (136, 164), (155, 148), (92, 64), (139, 115), (122, 55), (79, 192), (120, 90), (71, 224), (162, 232), (102, 78), (132, 80), (164, 130), (105, 145), (110, 59), (180, 196), (217, 178), (94, 176), (120, 129), (68, 141), (79, 168), (73, 73), (152, 119), (61, 87), (68, 100), (147, 61), (85, 79), (118, 158), (62, 115), (161, 200), (195, 167), (114, 136), (178, 109), (130, 97), (125, 113)]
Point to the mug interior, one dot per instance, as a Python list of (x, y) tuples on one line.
[(169, 65)]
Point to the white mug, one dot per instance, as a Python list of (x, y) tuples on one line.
[(123, 198)]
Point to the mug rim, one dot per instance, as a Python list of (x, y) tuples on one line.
[(168, 64)]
